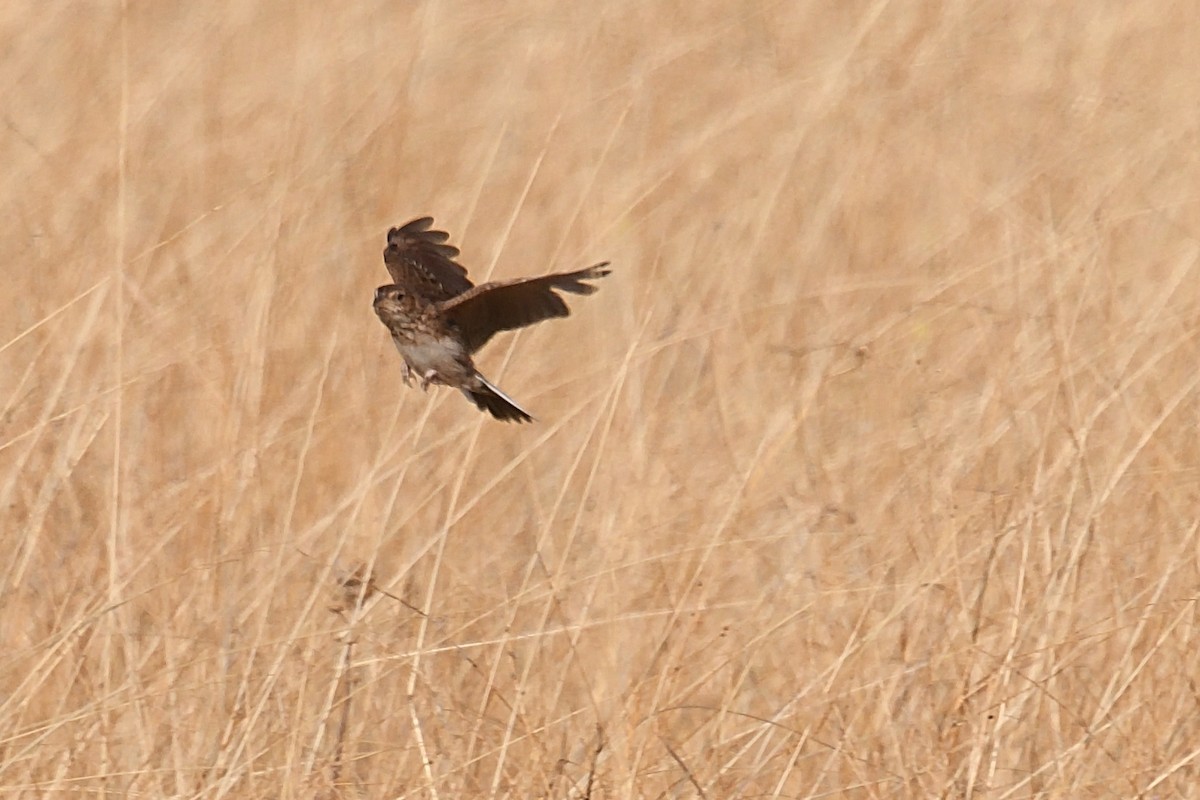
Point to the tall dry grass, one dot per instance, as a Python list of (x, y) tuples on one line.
[(872, 471)]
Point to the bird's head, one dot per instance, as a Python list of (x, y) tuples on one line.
[(389, 292), (388, 297)]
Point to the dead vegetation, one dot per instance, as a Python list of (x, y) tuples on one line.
[(871, 472)]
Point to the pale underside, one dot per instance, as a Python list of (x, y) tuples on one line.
[(437, 359)]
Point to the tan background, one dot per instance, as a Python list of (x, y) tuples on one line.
[(871, 472)]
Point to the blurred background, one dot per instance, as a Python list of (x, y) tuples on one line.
[(872, 470)]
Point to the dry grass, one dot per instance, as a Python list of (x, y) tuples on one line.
[(872, 471)]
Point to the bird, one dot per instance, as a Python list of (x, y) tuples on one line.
[(439, 319)]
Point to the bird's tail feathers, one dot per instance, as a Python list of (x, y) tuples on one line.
[(490, 399)]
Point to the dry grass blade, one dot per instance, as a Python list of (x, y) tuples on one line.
[(870, 470)]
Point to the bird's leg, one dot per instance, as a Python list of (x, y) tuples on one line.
[(406, 374), (429, 376)]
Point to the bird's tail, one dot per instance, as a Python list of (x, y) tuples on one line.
[(489, 398)]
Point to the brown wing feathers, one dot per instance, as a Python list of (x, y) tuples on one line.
[(484, 311), (420, 262), (417, 260)]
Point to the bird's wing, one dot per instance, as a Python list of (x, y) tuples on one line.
[(486, 310), (420, 262)]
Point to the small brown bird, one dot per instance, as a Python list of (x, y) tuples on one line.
[(438, 318)]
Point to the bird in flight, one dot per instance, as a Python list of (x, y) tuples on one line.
[(438, 318)]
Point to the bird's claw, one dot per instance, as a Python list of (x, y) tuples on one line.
[(406, 374), (427, 378)]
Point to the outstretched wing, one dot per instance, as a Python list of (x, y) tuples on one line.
[(486, 310), (421, 263)]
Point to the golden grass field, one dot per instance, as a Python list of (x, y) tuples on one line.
[(873, 471)]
